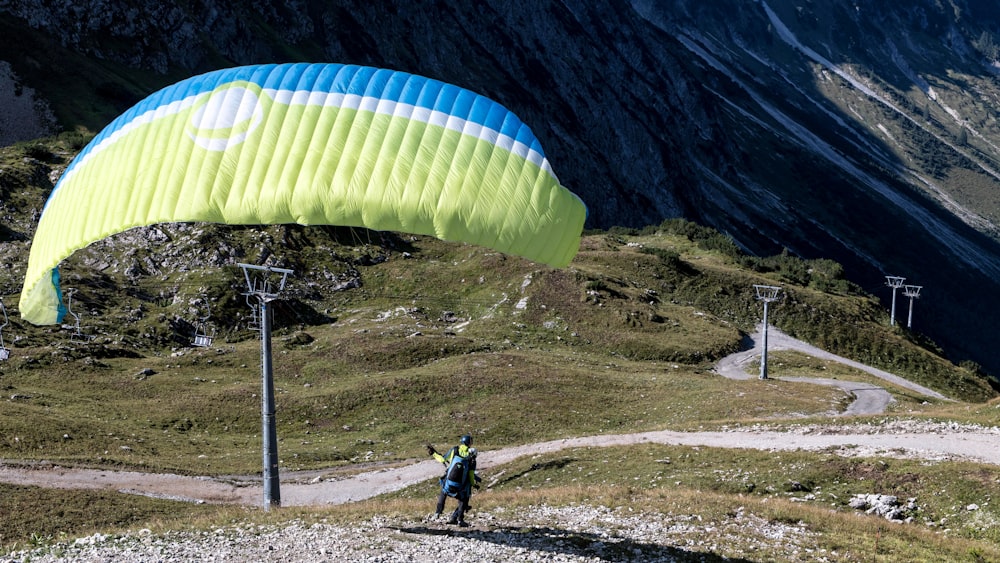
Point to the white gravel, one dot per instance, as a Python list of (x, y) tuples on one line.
[(894, 426), (541, 533)]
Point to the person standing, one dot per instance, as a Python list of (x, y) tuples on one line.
[(459, 478)]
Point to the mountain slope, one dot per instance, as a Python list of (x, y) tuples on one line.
[(864, 132), (677, 293)]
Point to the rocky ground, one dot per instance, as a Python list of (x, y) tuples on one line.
[(542, 533)]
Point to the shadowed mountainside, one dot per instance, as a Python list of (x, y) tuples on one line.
[(863, 132)]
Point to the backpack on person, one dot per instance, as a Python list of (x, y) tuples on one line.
[(453, 482)]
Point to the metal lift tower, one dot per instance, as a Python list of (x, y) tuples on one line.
[(913, 292), (260, 287), (767, 294), (895, 282)]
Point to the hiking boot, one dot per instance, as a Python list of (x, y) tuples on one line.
[(463, 524), (452, 521)]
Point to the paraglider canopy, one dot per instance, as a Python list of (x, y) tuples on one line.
[(309, 144)]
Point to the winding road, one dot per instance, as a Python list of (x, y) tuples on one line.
[(868, 399), (916, 439)]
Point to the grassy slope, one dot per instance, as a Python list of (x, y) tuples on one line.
[(439, 340)]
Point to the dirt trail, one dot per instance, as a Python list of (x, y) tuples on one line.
[(868, 398), (931, 441), (298, 489)]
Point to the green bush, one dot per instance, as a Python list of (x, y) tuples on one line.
[(706, 238), (668, 257)]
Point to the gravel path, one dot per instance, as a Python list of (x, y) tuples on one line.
[(936, 441), (868, 398)]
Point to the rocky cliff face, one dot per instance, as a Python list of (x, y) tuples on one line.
[(861, 131)]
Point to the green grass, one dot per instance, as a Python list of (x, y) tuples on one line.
[(200, 412), (440, 339), (35, 516)]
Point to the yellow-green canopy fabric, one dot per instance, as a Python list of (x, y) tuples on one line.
[(309, 144)]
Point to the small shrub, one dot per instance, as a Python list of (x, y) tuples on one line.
[(39, 152), (668, 257), (596, 285)]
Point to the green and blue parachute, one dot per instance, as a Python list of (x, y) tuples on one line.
[(309, 144)]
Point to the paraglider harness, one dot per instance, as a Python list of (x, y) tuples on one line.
[(455, 480)]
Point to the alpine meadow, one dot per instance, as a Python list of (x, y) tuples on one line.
[(814, 147)]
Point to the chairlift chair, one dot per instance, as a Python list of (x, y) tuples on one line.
[(4, 352), (254, 323), (77, 335), (202, 338)]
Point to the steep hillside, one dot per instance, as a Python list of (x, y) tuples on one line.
[(864, 132), (677, 293)]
